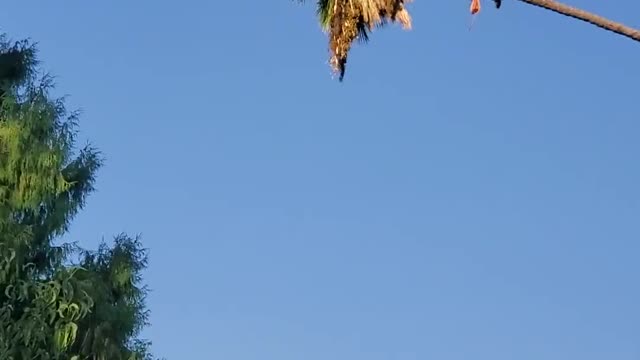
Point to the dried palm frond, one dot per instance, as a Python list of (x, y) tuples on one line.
[(348, 20)]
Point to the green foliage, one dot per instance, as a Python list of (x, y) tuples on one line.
[(50, 307), (119, 312)]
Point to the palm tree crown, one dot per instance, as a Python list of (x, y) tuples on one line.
[(349, 20)]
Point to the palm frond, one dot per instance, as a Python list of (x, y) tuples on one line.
[(347, 21), (351, 20), (324, 13)]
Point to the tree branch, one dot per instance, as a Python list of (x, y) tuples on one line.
[(596, 20)]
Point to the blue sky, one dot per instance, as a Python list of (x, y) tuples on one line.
[(462, 195)]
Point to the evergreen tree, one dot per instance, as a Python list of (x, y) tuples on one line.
[(50, 306)]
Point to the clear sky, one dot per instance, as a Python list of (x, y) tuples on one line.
[(462, 195)]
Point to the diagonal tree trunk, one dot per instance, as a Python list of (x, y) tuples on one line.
[(587, 17), (352, 21)]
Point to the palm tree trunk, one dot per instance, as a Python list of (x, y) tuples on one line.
[(587, 17)]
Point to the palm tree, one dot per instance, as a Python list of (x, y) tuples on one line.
[(349, 20)]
